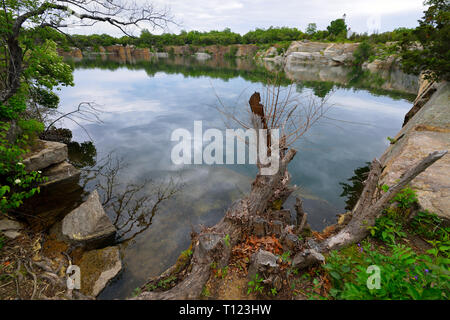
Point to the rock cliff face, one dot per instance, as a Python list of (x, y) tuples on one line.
[(426, 131), (73, 53), (217, 51), (59, 193), (88, 225), (320, 53), (131, 54)]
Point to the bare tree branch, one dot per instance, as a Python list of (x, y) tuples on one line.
[(131, 205)]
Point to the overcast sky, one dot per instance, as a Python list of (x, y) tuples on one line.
[(244, 15)]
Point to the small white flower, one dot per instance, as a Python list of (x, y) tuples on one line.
[(20, 163), (17, 181), (39, 172)]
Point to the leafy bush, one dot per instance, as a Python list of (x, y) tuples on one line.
[(31, 128), (362, 53), (14, 107), (388, 227), (429, 225), (16, 184), (403, 275), (405, 198), (338, 28)]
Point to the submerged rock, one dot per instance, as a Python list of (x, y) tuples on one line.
[(88, 225), (427, 131), (98, 268)]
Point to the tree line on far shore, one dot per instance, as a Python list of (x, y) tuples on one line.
[(336, 31)]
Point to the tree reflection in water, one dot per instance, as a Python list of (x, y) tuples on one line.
[(130, 205), (353, 190)]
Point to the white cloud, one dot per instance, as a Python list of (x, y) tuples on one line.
[(352, 103), (244, 15)]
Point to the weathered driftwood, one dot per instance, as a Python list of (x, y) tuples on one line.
[(369, 208), (210, 246)]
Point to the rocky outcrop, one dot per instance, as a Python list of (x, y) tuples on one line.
[(379, 64), (48, 154), (60, 193), (271, 55), (427, 131), (72, 53), (162, 55), (88, 225), (320, 53), (98, 268), (216, 51), (394, 79), (58, 173), (142, 54), (246, 50), (122, 52)]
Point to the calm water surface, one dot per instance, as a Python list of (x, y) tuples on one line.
[(143, 104)]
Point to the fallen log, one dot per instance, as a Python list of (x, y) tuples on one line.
[(210, 245), (369, 208)]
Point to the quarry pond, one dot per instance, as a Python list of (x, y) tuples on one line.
[(142, 103)]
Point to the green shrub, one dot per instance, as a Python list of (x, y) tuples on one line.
[(13, 108), (404, 275), (16, 184), (31, 128), (429, 225), (255, 285), (388, 227), (362, 53), (405, 198), (2, 241)]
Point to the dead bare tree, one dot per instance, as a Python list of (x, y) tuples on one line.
[(131, 205), (209, 246), (370, 207), (85, 111), (20, 15), (280, 111), (279, 108)]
